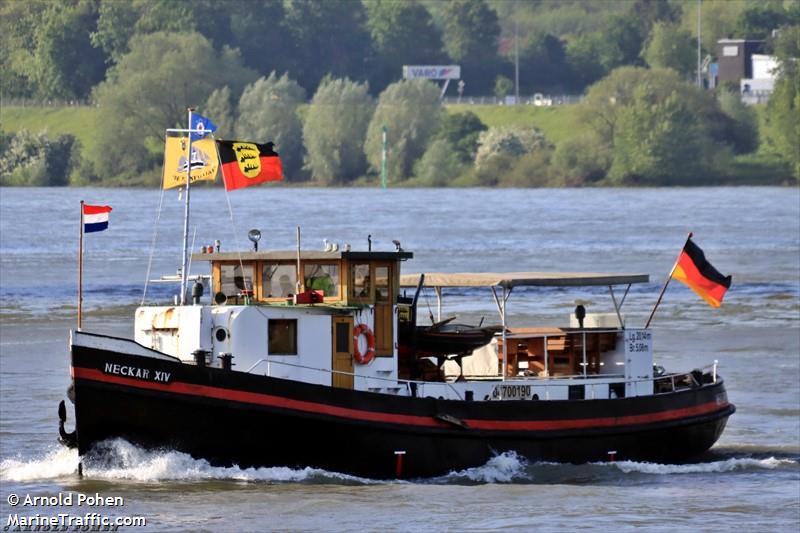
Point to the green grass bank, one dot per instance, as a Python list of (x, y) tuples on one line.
[(558, 123)]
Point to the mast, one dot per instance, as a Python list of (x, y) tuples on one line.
[(185, 258), (80, 272)]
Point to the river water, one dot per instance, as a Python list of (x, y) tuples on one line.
[(750, 480)]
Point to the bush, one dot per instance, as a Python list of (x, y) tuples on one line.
[(579, 160), (509, 142), (659, 129), (411, 112), (334, 131), (37, 160), (268, 112), (502, 86), (148, 90), (462, 130), (220, 108), (439, 166), (531, 170), (491, 172), (743, 129), (660, 142)]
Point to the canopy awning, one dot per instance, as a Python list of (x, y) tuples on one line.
[(519, 279)]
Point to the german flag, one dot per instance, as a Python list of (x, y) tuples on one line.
[(695, 271), (245, 164)]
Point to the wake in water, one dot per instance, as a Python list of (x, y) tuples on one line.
[(119, 460)]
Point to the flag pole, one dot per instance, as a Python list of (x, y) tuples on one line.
[(669, 278), (80, 271), (184, 259)]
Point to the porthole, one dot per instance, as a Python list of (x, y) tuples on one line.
[(221, 334)]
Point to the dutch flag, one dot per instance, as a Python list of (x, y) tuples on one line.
[(95, 217)]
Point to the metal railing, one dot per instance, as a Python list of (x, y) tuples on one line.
[(50, 102), (676, 381), (548, 100), (402, 383)]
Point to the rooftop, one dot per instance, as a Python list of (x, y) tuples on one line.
[(517, 279), (305, 255)]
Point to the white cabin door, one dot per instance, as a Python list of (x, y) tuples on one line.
[(342, 352)]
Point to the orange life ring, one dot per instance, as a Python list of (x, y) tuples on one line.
[(369, 355)]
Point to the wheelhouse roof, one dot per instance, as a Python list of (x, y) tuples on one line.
[(305, 255), (518, 279)]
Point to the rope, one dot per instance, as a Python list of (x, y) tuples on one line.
[(428, 303), (155, 236), (233, 225), (189, 266)]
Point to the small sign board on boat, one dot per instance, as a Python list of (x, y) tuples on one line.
[(512, 392), (638, 341)]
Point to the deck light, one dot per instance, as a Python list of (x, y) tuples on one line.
[(580, 314), (254, 235)]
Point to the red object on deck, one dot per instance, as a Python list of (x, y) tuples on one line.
[(309, 297)]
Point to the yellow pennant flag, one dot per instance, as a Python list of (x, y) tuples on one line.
[(204, 161)]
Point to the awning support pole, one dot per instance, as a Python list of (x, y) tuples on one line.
[(616, 307), (625, 295), (438, 303), (501, 307), (497, 303), (584, 353), (505, 340)]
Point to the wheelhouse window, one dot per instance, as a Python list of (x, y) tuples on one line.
[(322, 277), (382, 284), (279, 281), (282, 336), (360, 281), (235, 281)]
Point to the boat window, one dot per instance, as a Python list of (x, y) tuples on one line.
[(576, 392), (382, 284), (234, 281), (279, 280), (343, 336), (360, 281), (282, 336), (322, 277)]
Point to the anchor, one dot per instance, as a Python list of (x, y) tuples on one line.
[(70, 440)]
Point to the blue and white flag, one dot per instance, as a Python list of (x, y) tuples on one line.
[(202, 125)]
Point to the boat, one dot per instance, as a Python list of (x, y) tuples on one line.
[(315, 358), (446, 338), (304, 358)]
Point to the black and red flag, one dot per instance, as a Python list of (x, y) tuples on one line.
[(244, 164), (694, 270)]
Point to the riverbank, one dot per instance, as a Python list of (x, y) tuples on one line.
[(558, 124)]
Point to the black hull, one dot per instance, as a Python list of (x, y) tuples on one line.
[(237, 418)]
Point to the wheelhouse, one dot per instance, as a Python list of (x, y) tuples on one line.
[(289, 314)]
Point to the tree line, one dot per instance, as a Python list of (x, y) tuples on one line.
[(61, 49), (252, 65)]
